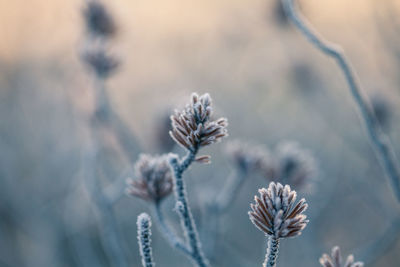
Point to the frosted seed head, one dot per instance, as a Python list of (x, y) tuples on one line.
[(274, 219), (100, 62), (294, 164), (335, 260), (192, 127), (98, 20), (153, 178), (247, 157)]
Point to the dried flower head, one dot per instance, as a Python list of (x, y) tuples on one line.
[(247, 157), (192, 128), (336, 260), (154, 178), (295, 165), (274, 212), (102, 64), (98, 20)]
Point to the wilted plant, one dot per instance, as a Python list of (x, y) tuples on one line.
[(192, 129), (100, 62), (335, 260), (98, 20), (247, 157), (276, 214), (154, 178), (379, 140), (294, 165), (144, 239)]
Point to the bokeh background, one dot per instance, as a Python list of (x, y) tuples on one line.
[(263, 76)]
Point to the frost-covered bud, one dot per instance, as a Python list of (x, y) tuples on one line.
[(192, 128), (98, 20), (154, 178), (295, 165), (335, 260), (248, 158), (101, 63), (275, 212)]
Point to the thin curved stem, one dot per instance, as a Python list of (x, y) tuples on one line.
[(167, 232), (229, 191), (371, 253), (380, 142), (183, 209), (110, 237), (219, 206), (272, 252)]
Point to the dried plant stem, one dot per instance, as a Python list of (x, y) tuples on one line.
[(218, 207), (107, 116), (229, 191), (183, 209), (168, 233), (144, 239), (379, 140), (272, 252), (110, 237), (382, 244)]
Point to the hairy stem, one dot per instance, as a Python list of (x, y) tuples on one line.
[(380, 142), (183, 209), (144, 239), (272, 252), (168, 233)]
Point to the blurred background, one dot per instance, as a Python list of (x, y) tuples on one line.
[(262, 75)]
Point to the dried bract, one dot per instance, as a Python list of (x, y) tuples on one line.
[(102, 64), (192, 128), (154, 178), (247, 157), (275, 212), (98, 20), (335, 260), (296, 166)]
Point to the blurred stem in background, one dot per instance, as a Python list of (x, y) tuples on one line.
[(218, 207), (100, 28), (381, 143)]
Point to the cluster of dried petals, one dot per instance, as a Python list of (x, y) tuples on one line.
[(98, 20), (247, 157), (294, 165), (153, 178), (192, 127), (336, 260), (275, 212)]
